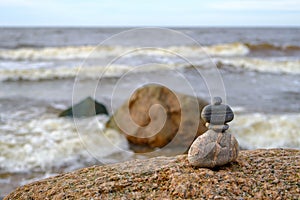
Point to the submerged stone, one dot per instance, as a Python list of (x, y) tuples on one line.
[(85, 108)]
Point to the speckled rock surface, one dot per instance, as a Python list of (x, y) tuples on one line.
[(213, 149), (257, 174)]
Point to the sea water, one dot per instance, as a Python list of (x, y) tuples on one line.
[(42, 68)]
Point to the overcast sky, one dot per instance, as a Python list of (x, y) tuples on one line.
[(150, 13)]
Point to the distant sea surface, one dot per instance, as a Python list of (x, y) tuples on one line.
[(259, 67)]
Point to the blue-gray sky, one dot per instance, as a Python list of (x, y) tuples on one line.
[(150, 13)]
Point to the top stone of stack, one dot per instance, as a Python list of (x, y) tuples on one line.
[(217, 115)]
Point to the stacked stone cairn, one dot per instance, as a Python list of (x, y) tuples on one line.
[(215, 147)]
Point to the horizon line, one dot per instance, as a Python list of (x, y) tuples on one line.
[(149, 26)]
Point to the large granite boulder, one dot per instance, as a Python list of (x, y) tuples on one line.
[(257, 174), (155, 116)]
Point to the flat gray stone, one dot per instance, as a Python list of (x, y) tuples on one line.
[(217, 113)]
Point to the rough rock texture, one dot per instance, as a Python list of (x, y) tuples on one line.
[(213, 149), (181, 114), (257, 174)]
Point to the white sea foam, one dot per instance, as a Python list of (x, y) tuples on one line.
[(267, 131), (231, 49), (94, 72), (50, 142), (47, 53), (36, 64), (82, 52), (82, 72), (63, 72), (262, 65)]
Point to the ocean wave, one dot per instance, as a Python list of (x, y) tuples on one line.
[(47, 53), (48, 142), (230, 49), (260, 130), (268, 46), (261, 65), (95, 72), (81, 72), (83, 52)]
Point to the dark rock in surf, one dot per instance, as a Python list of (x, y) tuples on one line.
[(86, 108)]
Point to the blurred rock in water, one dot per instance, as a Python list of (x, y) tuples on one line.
[(86, 108), (155, 116)]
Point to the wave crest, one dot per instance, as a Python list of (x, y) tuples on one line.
[(49, 142), (81, 72), (268, 46), (261, 65), (266, 131), (82, 52)]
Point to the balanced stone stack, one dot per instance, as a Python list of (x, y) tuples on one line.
[(215, 147)]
